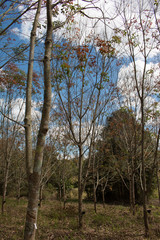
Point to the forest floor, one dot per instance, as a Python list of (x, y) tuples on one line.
[(115, 222)]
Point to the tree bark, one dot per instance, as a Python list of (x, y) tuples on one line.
[(28, 117), (158, 186), (5, 186), (103, 198), (18, 191), (80, 188), (64, 194), (41, 195), (32, 209), (133, 190), (95, 197), (130, 190), (157, 165), (144, 190), (35, 176)]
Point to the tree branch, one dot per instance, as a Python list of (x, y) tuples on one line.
[(4, 115)]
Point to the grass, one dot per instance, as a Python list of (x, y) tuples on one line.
[(112, 223)]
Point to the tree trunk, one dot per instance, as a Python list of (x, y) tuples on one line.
[(133, 192), (64, 195), (33, 179), (80, 189), (35, 176), (130, 195), (103, 198), (60, 192), (95, 198), (32, 209), (157, 165), (18, 191), (158, 185), (40, 195), (144, 190), (5, 186)]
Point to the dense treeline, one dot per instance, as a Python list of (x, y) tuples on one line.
[(118, 156)]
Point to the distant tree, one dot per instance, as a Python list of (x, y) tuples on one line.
[(117, 151), (140, 40), (18, 172), (12, 81), (49, 165), (81, 79)]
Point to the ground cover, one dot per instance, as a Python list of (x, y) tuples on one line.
[(112, 223)]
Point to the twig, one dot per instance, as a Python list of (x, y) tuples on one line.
[(22, 125)]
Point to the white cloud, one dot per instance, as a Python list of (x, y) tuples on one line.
[(17, 110), (24, 31), (85, 24), (113, 18), (127, 86)]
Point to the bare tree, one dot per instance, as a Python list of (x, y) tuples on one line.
[(137, 34), (10, 129), (82, 82)]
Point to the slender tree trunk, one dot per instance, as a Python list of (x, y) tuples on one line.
[(157, 165), (80, 189), (130, 187), (132, 194), (95, 183), (64, 194), (95, 198), (103, 198), (133, 165), (64, 184), (103, 187), (60, 193), (35, 176), (41, 195), (158, 186), (144, 190), (133, 191), (18, 191), (5, 186)]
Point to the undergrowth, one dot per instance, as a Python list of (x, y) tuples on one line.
[(112, 222)]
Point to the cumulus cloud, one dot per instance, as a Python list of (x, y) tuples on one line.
[(17, 109), (128, 87), (99, 10), (108, 16), (62, 132), (126, 78)]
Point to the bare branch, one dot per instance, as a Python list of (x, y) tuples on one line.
[(22, 125), (4, 30)]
